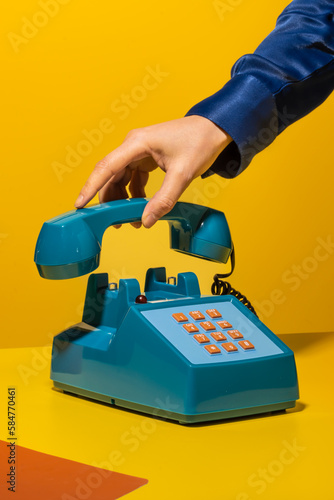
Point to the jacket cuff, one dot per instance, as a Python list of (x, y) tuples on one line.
[(246, 110)]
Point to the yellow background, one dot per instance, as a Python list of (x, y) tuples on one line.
[(66, 77)]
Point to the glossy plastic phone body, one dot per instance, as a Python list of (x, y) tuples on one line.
[(167, 350)]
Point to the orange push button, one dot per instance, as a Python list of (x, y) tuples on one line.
[(229, 347), (218, 336), (207, 325), (235, 334), (224, 324), (212, 349), (197, 315), (245, 344), (201, 338), (213, 313), (190, 327), (180, 317)]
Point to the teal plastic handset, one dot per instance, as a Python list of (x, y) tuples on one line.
[(69, 245)]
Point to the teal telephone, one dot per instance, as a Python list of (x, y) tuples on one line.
[(167, 351)]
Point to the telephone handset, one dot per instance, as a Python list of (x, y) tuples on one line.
[(166, 351), (70, 245)]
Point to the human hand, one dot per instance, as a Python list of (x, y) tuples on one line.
[(184, 149)]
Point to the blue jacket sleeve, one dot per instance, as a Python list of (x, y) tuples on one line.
[(289, 74)]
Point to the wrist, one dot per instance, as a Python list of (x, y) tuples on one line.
[(217, 137)]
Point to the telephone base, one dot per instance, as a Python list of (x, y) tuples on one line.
[(178, 355), (179, 417)]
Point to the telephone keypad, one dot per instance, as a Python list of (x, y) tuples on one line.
[(229, 336), (218, 336)]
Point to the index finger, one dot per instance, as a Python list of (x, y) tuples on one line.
[(130, 150)]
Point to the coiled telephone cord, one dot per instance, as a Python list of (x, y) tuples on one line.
[(221, 287)]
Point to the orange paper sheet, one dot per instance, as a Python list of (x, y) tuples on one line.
[(41, 476)]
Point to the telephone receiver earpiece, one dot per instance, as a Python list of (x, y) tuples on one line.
[(69, 245)]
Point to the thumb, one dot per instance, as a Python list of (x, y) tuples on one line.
[(175, 182)]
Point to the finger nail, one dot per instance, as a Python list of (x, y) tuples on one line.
[(79, 201), (149, 220)]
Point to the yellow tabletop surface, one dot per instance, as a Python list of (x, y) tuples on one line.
[(273, 456)]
